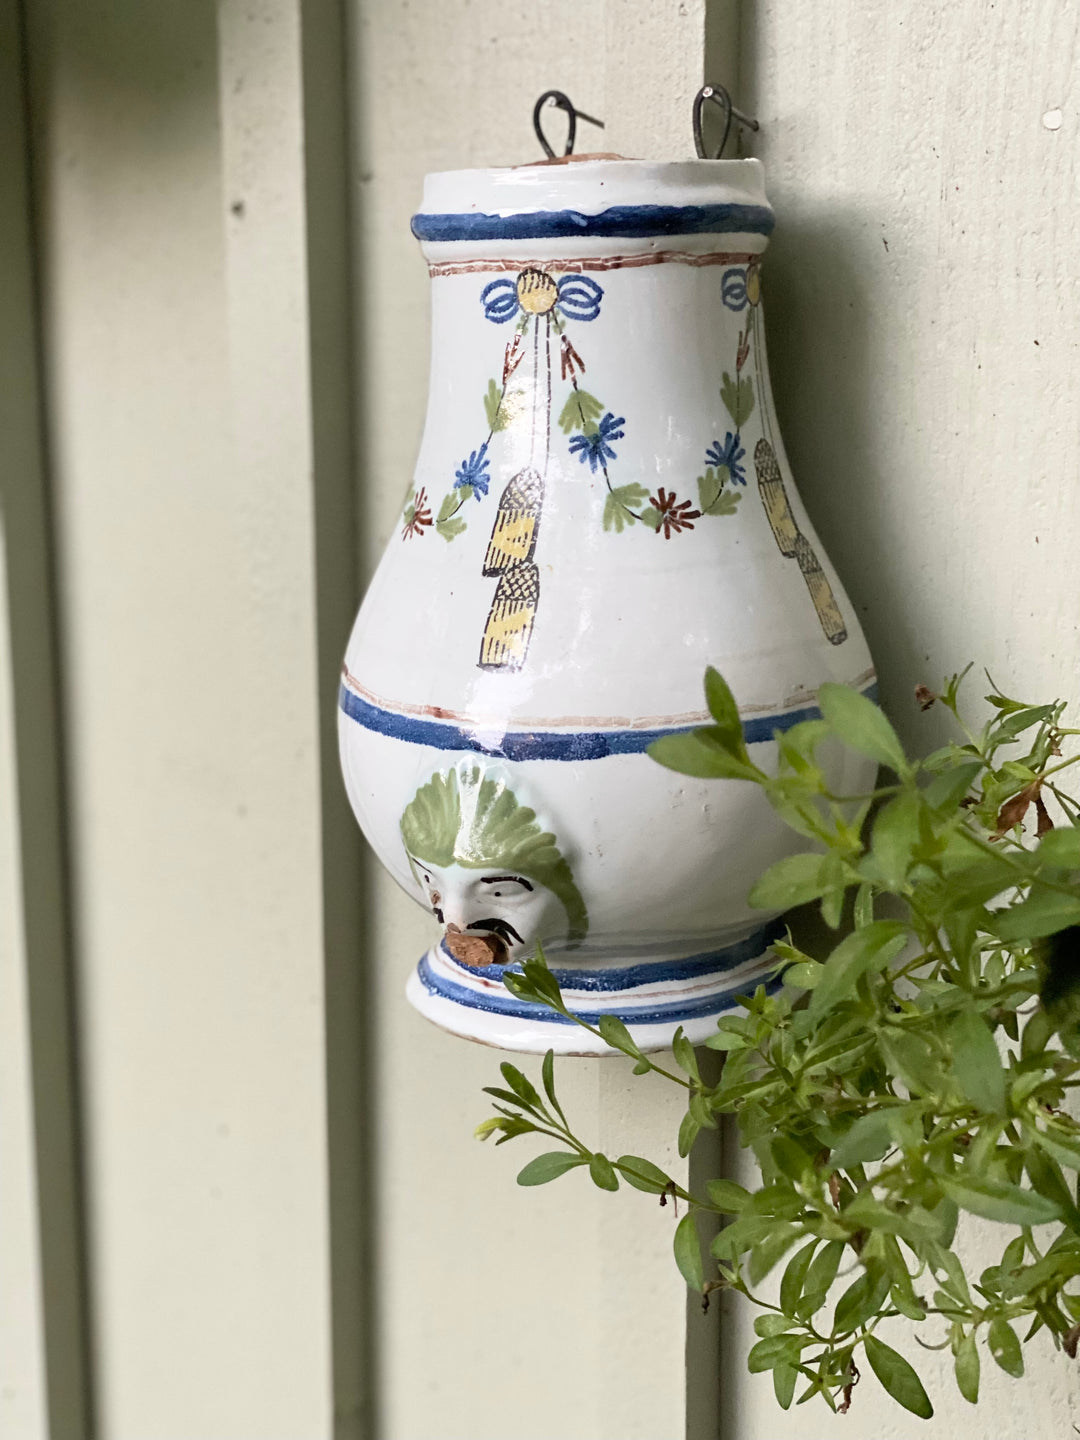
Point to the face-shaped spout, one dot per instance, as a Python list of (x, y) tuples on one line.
[(489, 873)]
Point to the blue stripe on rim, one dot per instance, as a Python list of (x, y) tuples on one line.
[(506, 1004), (620, 221), (547, 744), (653, 972)]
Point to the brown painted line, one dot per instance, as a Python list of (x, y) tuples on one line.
[(580, 722), (600, 262)]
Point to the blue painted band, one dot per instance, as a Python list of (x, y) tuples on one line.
[(626, 222), (503, 1003), (654, 972), (547, 744)]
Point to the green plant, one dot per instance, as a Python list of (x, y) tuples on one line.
[(915, 1071)]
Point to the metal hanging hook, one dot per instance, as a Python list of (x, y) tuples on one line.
[(723, 99), (560, 102)]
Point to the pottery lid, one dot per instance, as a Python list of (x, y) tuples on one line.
[(631, 200)]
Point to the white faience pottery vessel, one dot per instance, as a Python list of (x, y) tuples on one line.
[(602, 507)]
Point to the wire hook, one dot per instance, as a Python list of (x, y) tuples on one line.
[(723, 99), (560, 102)]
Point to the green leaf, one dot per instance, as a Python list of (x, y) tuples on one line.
[(791, 1286), (772, 1351), (1044, 913), (967, 1368), (912, 1061), (548, 1077), (642, 1174), (620, 503), (895, 836), (684, 1055), (688, 1252), (804, 975), (860, 1301), (1060, 848), (1005, 1347), (615, 1034), (898, 1377), (701, 753), (688, 1132), (976, 1062), (581, 412), (820, 1277), (948, 788), (783, 1379), (725, 713), (549, 1166), (791, 881), (868, 1139), (768, 1252), (861, 725), (728, 1196), (864, 906), (603, 1173), (738, 398), (998, 1200), (1062, 1149), (521, 1086), (872, 947)]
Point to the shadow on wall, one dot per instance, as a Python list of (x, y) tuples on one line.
[(829, 366)]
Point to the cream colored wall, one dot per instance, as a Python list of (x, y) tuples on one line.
[(168, 153), (558, 1311), (922, 290)]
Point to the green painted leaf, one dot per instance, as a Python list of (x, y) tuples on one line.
[(1005, 1347), (549, 1166), (738, 398), (998, 1200), (687, 1249), (976, 1062), (642, 1174), (619, 503), (898, 1377), (791, 881), (651, 517), (715, 496), (494, 409), (861, 725), (603, 1173), (450, 529), (581, 412), (967, 1368), (702, 754), (452, 501), (872, 947)]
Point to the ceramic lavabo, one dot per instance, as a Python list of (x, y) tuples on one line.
[(601, 508)]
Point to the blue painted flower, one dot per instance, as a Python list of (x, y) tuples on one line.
[(733, 289), (595, 446), (729, 454), (474, 472)]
